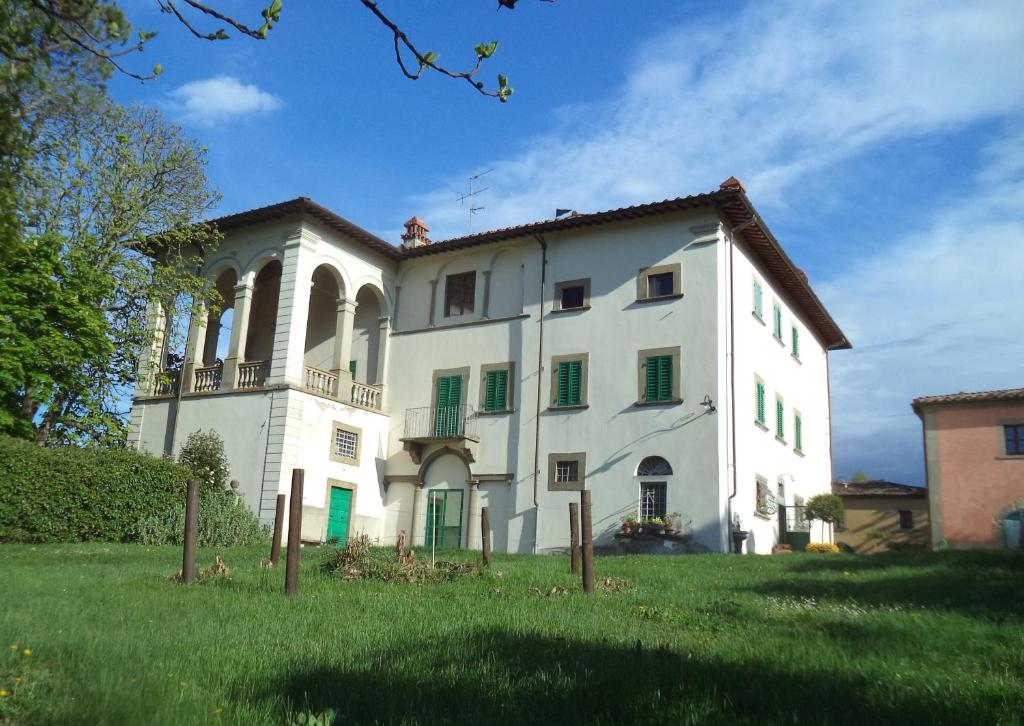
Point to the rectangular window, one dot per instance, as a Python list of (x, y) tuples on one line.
[(496, 390), (759, 407), (777, 322), (765, 500), (459, 292), (798, 432), (1014, 436), (758, 302), (566, 471), (658, 378), (572, 295), (796, 342), (661, 281), (780, 417), (906, 519), (344, 443), (570, 383), (653, 500)]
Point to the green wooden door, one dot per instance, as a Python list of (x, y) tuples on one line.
[(448, 412), (338, 514), (444, 519)]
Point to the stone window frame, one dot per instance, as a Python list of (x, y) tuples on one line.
[(676, 268), (641, 376), (583, 282), (580, 457), (334, 456), (446, 373), (584, 378), (1002, 424), (510, 391), (445, 303)]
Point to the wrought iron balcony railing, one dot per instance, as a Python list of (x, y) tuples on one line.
[(441, 422)]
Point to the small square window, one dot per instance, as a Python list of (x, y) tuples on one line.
[(659, 285), (345, 444), (567, 471), (906, 519), (459, 292), (572, 297), (661, 281)]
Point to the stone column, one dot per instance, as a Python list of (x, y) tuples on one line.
[(382, 357), (487, 293), (419, 512), (473, 527), (288, 358), (195, 348), (149, 361), (239, 331), (398, 296), (343, 347)]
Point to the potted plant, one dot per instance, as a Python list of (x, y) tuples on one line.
[(628, 524), (655, 525), (670, 522)]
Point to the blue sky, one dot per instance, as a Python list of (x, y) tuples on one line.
[(883, 142)]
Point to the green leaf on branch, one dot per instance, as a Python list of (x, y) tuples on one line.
[(158, 69), (429, 58), (486, 50), (272, 12), (219, 35)]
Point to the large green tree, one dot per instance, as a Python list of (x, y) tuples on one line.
[(108, 220)]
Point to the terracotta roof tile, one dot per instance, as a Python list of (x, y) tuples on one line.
[(876, 488), (1006, 394)]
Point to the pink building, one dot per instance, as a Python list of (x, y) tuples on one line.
[(974, 458)]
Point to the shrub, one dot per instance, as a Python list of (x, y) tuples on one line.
[(822, 548), (76, 494), (224, 521), (825, 507), (203, 454)]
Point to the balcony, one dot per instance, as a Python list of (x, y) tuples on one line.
[(443, 425), (368, 396), (361, 395), (207, 378)]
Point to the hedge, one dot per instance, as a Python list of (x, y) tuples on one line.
[(77, 494)]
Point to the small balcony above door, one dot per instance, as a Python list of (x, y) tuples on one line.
[(454, 424)]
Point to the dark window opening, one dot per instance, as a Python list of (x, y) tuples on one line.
[(653, 500), (459, 291), (906, 519), (567, 471), (1014, 439), (660, 284), (572, 297)]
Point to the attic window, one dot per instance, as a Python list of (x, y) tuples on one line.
[(459, 292)]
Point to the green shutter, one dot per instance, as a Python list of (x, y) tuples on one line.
[(496, 391), (796, 342), (447, 415), (798, 443), (760, 402), (780, 421), (352, 368), (658, 378), (758, 308), (570, 383), (778, 322)]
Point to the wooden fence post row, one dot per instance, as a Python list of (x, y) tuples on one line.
[(275, 545), (188, 564)]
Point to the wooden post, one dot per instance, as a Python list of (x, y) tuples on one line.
[(275, 546), (188, 564), (574, 538), (588, 544), (291, 567), (485, 534)]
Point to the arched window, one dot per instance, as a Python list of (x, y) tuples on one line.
[(654, 466)]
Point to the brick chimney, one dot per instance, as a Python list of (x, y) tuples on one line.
[(415, 233)]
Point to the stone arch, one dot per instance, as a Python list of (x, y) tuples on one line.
[(261, 259), (366, 343), (325, 292), (337, 270), (215, 268), (219, 321), (449, 499), (444, 451), (505, 294), (653, 466), (259, 344)]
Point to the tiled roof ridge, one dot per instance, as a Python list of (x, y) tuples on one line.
[(1003, 394)]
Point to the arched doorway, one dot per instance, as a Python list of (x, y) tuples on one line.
[(446, 513)]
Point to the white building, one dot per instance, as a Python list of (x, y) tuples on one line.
[(669, 357)]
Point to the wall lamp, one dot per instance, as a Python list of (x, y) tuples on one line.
[(708, 404)]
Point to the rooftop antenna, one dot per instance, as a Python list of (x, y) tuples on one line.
[(472, 193)]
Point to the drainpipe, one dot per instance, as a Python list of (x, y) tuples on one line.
[(540, 367)]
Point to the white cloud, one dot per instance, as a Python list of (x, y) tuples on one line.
[(781, 91), (221, 98)]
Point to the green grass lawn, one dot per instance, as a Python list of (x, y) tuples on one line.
[(911, 638)]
